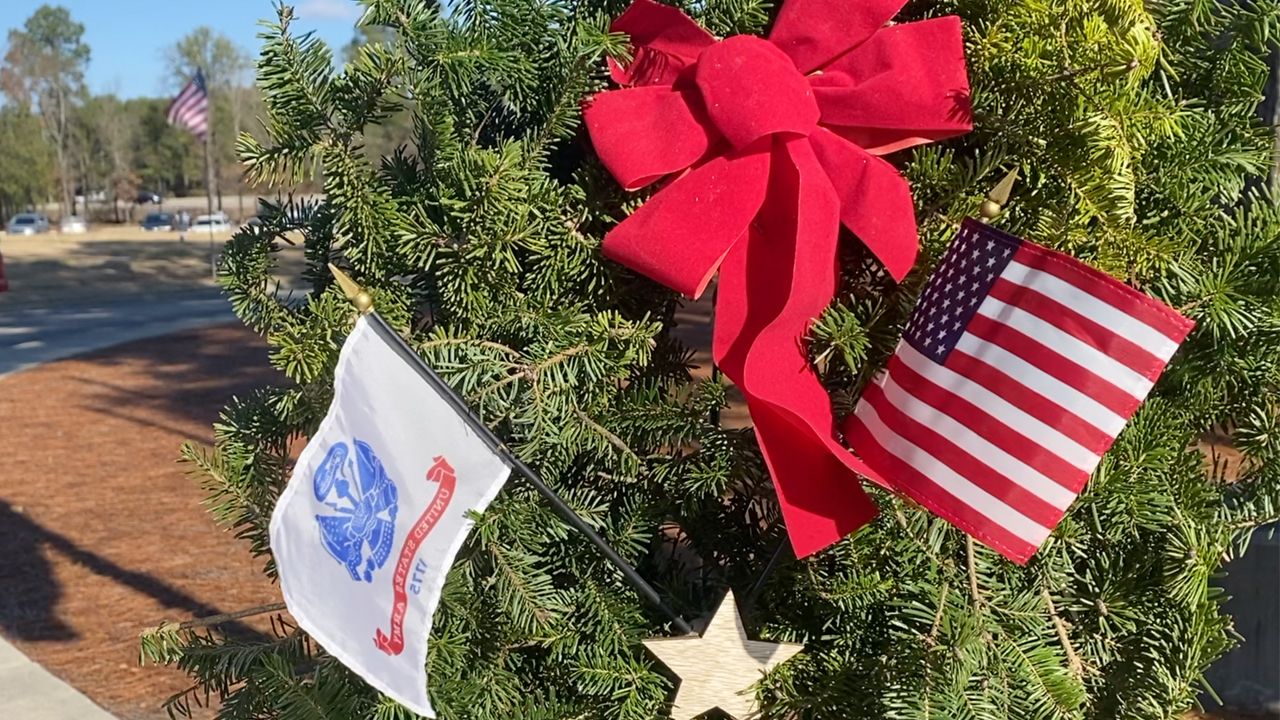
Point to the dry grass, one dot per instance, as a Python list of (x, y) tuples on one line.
[(111, 262)]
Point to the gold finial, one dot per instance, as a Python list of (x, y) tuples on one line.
[(998, 197), (356, 294)]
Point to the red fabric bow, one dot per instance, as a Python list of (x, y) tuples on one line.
[(773, 143)]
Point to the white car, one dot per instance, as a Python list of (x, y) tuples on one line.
[(217, 222), (73, 225)]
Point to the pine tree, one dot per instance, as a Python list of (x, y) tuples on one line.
[(1133, 127)]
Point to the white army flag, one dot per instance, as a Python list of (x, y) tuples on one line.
[(375, 511)]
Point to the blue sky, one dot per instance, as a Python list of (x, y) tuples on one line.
[(128, 38)]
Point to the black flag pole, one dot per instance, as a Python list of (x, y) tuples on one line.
[(208, 173), (209, 182), (364, 304)]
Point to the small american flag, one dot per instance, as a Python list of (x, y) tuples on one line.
[(191, 108), (1018, 369)]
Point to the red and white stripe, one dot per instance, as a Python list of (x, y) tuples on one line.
[(1002, 437), (190, 109)]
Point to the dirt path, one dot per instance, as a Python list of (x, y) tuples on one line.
[(101, 534)]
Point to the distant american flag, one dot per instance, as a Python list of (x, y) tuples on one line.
[(1017, 371), (191, 108)]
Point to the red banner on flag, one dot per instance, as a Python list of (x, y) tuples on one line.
[(443, 474)]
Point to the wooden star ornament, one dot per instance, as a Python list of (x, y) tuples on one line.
[(720, 668)]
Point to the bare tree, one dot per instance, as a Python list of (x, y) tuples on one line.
[(116, 129)]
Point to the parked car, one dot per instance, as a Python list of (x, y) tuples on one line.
[(28, 224), (162, 222), (147, 197), (217, 222), (73, 225)]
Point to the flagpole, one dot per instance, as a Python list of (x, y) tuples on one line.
[(364, 304), (208, 191)]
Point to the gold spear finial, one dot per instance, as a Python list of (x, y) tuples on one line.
[(356, 294), (998, 197)]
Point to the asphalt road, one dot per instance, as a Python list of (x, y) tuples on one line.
[(33, 335)]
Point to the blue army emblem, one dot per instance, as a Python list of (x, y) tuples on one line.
[(358, 489)]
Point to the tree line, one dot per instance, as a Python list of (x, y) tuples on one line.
[(61, 143)]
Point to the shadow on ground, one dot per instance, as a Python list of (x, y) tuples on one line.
[(195, 376), (31, 592), (102, 535)]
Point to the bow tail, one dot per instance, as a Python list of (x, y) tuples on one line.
[(761, 323)]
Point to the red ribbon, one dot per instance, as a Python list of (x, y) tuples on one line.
[(771, 145), (442, 474)]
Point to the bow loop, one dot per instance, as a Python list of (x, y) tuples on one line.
[(875, 201), (680, 236), (814, 32), (905, 86), (643, 134), (664, 41)]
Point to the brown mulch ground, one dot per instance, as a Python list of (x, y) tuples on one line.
[(101, 533)]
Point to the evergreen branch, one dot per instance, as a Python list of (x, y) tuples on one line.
[(300, 699), (212, 620), (473, 342), (1073, 73), (1060, 626), (932, 638), (613, 439), (179, 703), (1051, 691), (979, 603), (533, 371), (901, 519)]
